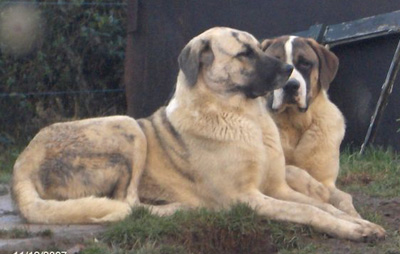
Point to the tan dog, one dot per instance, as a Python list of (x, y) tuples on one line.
[(212, 146), (310, 125)]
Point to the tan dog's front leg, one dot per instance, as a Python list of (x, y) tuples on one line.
[(309, 215), (284, 192), (165, 210)]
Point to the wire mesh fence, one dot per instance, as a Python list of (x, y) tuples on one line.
[(59, 60)]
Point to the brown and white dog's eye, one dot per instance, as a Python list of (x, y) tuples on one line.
[(304, 64)]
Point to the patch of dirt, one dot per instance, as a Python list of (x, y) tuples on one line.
[(391, 211), (223, 242), (388, 209)]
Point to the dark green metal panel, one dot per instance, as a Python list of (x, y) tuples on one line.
[(357, 30)]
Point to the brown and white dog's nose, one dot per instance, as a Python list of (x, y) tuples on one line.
[(292, 86)]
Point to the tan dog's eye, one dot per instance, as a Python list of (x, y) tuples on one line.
[(248, 52), (278, 57)]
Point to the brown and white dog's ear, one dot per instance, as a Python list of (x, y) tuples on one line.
[(266, 43), (328, 63), (193, 55)]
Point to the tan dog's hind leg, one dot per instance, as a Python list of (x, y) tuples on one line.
[(301, 181), (159, 210), (309, 215), (138, 164)]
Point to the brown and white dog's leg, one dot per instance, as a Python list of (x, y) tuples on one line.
[(343, 201), (301, 181)]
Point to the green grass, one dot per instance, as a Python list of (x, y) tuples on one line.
[(7, 160), (237, 230), (14, 233), (375, 173), (149, 248), (23, 233), (371, 215)]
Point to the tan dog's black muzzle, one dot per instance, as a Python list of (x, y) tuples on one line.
[(271, 74), (288, 69)]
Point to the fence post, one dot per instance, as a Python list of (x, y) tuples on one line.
[(132, 87)]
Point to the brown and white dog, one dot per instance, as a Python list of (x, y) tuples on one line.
[(310, 125)]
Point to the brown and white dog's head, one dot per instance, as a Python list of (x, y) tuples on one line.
[(314, 69)]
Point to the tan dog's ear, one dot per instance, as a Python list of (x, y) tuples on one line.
[(266, 43), (194, 54), (328, 63)]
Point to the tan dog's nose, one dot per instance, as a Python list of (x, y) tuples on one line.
[(288, 69)]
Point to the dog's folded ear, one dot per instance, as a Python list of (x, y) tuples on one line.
[(193, 56), (266, 43), (328, 63)]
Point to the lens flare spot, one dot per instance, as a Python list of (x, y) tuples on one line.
[(21, 29)]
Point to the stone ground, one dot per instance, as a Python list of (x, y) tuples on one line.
[(64, 237), (69, 238)]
